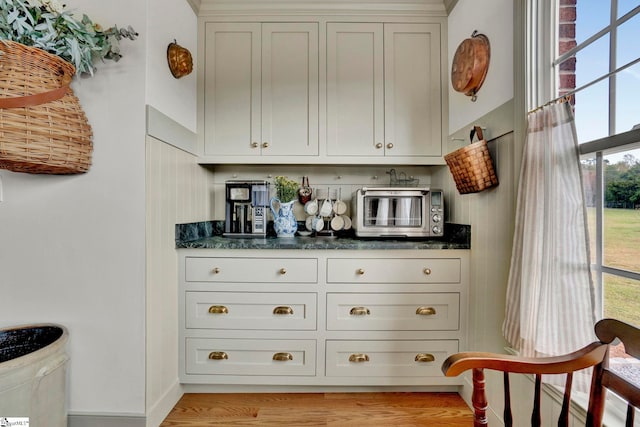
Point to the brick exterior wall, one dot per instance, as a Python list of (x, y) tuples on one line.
[(567, 41)]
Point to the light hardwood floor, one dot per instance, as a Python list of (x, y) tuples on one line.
[(320, 409)]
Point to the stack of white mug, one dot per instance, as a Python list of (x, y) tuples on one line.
[(326, 212)]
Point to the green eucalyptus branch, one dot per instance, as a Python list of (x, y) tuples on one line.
[(46, 25)]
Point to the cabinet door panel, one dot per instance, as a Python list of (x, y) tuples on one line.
[(355, 89), (406, 270), (250, 310), (232, 89), (249, 357), (388, 358), (290, 89), (251, 270), (412, 90), (388, 312)]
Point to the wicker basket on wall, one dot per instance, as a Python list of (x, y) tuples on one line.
[(43, 129), (472, 167)]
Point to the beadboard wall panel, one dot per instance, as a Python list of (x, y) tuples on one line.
[(177, 191), (491, 216)]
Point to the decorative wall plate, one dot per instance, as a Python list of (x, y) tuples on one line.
[(470, 65)]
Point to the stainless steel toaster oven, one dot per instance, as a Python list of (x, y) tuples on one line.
[(398, 212)]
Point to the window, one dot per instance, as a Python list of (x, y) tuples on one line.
[(589, 50), (597, 64)]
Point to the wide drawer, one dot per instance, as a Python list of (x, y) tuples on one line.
[(250, 357), (251, 270), (388, 358), (388, 270), (251, 310), (393, 312)]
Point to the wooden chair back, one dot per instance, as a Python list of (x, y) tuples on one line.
[(594, 355)]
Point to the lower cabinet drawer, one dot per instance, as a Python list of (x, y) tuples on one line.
[(250, 357), (391, 358), (251, 310), (387, 312)]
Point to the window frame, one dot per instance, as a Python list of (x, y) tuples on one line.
[(541, 40), (540, 86)]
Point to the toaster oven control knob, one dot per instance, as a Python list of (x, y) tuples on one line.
[(436, 218), (436, 230)]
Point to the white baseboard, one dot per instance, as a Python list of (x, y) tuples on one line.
[(160, 409), (91, 420)]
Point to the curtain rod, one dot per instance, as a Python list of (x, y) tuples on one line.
[(565, 97)]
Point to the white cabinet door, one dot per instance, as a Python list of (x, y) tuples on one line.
[(232, 85), (355, 89), (290, 89), (261, 89), (384, 90), (413, 103)]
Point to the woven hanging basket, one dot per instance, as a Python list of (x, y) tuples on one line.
[(42, 126), (471, 166)]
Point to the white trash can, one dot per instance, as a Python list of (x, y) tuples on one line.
[(33, 365)]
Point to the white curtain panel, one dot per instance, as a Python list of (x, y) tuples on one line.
[(550, 295)]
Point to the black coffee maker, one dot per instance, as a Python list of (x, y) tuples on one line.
[(246, 208)]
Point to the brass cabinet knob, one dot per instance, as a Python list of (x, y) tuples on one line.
[(218, 309), (424, 357), (216, 270), (265, 145), (379, 145), (254, 145), (359, 311), (283, 310), (426, 311), (283, 271), (427, 271), (218, 355), (360, 271), (283, 357), (359, 357), (389, 145)]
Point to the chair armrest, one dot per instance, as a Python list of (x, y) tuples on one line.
[(586, 357)]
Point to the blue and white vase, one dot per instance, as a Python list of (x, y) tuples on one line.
[(284, 222)]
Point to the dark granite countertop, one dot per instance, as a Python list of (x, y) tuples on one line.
[(207, 235)]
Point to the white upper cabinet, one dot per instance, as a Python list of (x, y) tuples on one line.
[(322, 91), (355, 89), (384, 90), (260, 90)]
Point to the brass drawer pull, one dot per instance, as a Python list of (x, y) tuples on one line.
[(283, 310), (283, 357), (254, 145), (427, 271), (265, 145), (359, 311), (358, 358), (218, 309), (283, 271), (218, 355), (426, 311), (360, 271), (425, 357), (379, 145), (216, 270)]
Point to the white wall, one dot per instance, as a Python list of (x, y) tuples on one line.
[(171, 20), (177, 192), (72, 247), (493, 18)]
